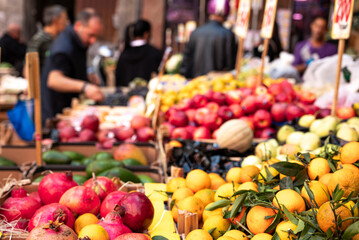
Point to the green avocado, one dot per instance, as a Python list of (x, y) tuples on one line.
[(38, 179), (101, 156), (55, 157), (76, 163), (74, 155), (101, 165), (145, 179), (80, 179), (6, 162), (131, 162), (122, 173), (87, 161)]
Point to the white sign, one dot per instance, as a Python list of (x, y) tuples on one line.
[(243, 13), (268, 18), (342, 19)]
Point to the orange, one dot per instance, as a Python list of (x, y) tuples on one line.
[(256, 219), (226, 238), (356, 237), (193, 205), (347, 179), (347, 165), (325, 178), (234, 175), (326, 219), (262, 236), (216, 181), (281, 176), (283, 232), (350, 152), (181, 194), (248, 173), (219, 223), (94, 232), (226, 190), (199, 234), (84, 220), (319, 190), (198, 179), (317, 168), (205, 195), (175, 183), (237, 219), (354, 209), (206, 213), (236, 235), (248, 186), (290, 199), (263, 177), (175, 143)]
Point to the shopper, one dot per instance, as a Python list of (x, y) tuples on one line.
[(12, 49), (315, 47), (64, 75), (139, 58), (55, 21), (211, 47)]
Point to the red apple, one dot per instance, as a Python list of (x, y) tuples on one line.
[(212, 106), (103, 135), (123, 132), (66, 133), (145, 134), (283, 97), (257, 133), (182, 133), (191, 113), (234, 96), (168, 127), (190, 128), (252, 81), (219, 98), (249, 104), (275, 89), (87, 135), (345, 112), (212, 121), (306, 97), (248, 120), (178, 119), (90, 122), (322, 113), (209, 95), (199, 101), (62, 124), (246, 92), (184, 104), (225, 113), (237, 110), (293, 112), (139, 121), (268, 133), (262, 119), (200, 115), (264, 101), (170, 111), (202, 133), (261, 89), (288, 89), (278, 112)]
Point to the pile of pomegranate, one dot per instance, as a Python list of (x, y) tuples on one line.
[(51, 212)]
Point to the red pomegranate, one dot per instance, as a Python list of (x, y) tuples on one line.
[(19, 205), (52, 231), (66, 133), (101, 185), (136, 211), (81, 200), (53, 212), (54, 185), (36, 196), (113, 224), (133, 236), (90, 122), (110, 201)]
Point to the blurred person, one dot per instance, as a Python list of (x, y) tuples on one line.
[(139, 58), (12, 49), (55, 21), (64, 75), (274, 46), (211, 47), (315, 47)]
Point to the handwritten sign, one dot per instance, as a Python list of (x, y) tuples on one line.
[(243, 13), (268, 18), (342, 19)]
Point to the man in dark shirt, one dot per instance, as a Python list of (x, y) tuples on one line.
[(55, 21), (211, 47), (64, 75), (12, 50)]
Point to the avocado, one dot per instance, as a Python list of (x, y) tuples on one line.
[(145, 179), (124, 174), (131, 162), (80, 179), (55, 157), (6, 162), (101, 156), (76, 163), (87, 161), (74, 155), (38, 179), (101, 165)]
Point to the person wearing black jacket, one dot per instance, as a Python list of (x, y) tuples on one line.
[(211, 47), (139, 58)]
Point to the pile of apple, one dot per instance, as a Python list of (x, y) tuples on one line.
[(261, 107), (136, 130)]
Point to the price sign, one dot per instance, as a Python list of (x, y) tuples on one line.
[(342, 19), (243, 13), (268, 18)]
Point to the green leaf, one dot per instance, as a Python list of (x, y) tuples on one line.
[(332, 166), (274, 224), (173, 202), (311, 195), (300, 227), (237, 204), (286, 183), (275, 237), (289, 215), (300, 178), (288, 168), (159, 238), (306, 157), (307, 232), (269, 175), (351, 231), (338, 195), (210, 231), (219, 204)]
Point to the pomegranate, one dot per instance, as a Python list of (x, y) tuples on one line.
[(101, 185), (19, 205), (90, 122), (110, 201), (113, 224), (36, 196), (133, 236), (81, 200), (53, 212), (54, 185), (140, 121), (52, 231), (66, 133), (136, 211)]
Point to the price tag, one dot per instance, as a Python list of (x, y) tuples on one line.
[(243, 13), (342, 19), (269, 18)]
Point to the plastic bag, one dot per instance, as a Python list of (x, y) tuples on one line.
[(21, 117), (282, 67)]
